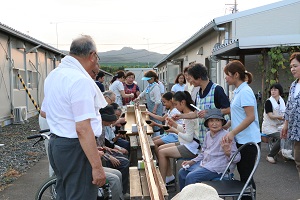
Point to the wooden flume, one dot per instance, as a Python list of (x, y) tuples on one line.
[(154, 184)]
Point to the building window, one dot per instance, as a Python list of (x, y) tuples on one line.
[(212, 69), (16, 79), (34, 82), (31, 77)]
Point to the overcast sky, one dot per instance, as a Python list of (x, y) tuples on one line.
[(156, 25)]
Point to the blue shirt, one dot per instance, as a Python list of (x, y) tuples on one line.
[(100, 85), (244, 96)]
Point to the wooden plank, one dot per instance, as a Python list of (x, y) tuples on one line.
[(135, 183), (131, 119), (144, 183), (152, 180), (135, 142), (151, 183)]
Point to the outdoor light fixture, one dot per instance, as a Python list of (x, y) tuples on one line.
[(200, 51)]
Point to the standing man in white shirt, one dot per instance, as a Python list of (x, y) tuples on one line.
[(71, 104)]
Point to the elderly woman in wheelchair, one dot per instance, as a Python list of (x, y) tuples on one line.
[(215, 154)]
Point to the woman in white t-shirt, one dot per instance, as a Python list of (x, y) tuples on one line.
[(117, 87), (273, 118), (179, 83)]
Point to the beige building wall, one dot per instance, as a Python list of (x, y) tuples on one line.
[(198, 52), (33, 67), (5, 95)]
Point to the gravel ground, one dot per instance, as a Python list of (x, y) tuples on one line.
[(18, 154)]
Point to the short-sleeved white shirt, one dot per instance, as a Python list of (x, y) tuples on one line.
[(116, 87), (244, 96), (161, 87), (177, 87), (173, 112), (69, 98)]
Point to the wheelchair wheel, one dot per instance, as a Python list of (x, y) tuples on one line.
[(47, 190)]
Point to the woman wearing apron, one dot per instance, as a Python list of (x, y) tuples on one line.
[(153, 98)]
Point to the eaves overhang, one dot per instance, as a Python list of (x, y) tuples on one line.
[(254, 45), (226, 49), (27, 38)]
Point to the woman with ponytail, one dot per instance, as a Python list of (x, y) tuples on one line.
[(188, 145), (244, 117), (117, 87)]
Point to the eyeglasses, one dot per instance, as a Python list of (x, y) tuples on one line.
[(110, 99), (94, 73), (98, 58)]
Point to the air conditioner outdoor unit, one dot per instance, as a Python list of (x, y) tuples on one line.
[(20, 115)]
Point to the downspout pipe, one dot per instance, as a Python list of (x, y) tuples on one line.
[(216, 28), (25, 78), (226, 38), (11, 74)]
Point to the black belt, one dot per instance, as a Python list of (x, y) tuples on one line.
[(56, 136)]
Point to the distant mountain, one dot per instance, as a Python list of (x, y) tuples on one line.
[(130, 55)]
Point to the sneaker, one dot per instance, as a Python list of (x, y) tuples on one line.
[(170, 183), (271, 160), (170, 178)]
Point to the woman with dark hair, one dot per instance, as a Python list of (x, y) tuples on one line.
[(244, 117), (171, 110), (179, 83), (188, 85), (210, 95), (117, 87), (130, 87), (273, 118), (291, 127), (153, 98), (188, 145)]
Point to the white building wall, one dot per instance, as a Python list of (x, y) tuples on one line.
[(279, 21)]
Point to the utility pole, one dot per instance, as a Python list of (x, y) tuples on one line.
[(234, 8), (56, 32)]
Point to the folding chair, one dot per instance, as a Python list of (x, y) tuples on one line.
[(236, 188)]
